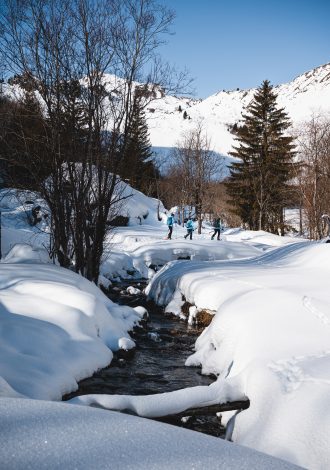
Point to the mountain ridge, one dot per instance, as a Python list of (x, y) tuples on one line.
[(305, 95)]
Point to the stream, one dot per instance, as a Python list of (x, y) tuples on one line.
[(157, 365)]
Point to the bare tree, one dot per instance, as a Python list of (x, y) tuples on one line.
[(66, 49), (216, 205), (196, 165), (314, 178)]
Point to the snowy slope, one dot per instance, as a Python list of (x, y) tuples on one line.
[(308, 93)]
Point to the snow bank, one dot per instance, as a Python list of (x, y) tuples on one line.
[(45, 435), (271, 333), (259, 238), (55, 329), (23, 253), (139, 208), (135, 249)]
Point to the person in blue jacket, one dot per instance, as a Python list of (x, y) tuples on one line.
[(216, 228), (170, 223), (190, 228)]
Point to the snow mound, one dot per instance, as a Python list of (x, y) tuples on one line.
[(271, 334), (139, 208), (55, 328), (48, 436), (23, 253), (312, 256)]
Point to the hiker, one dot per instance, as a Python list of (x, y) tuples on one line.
[(216, 228), (170, 223), (36, 215), (190, 228)]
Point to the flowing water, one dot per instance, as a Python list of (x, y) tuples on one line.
[(158, 363)]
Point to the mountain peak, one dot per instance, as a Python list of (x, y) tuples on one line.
[(307, 94)]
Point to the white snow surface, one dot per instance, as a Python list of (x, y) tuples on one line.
[(136, 249), (271, 334), (268, 341), (55, 329), (45, 435)]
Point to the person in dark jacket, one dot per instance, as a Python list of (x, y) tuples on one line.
[(36, 215), (190, 228), (170, 224), (216, 228)]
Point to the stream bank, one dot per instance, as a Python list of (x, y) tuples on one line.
[(157, 364)]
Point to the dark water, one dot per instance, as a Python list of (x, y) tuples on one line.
[(157, 365)]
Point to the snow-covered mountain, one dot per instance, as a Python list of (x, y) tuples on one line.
[(307, 94)]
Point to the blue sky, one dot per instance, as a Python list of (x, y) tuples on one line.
[(239, 43)]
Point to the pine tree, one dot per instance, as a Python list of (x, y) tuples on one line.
[(23, 136), (259, 183), (138, 167)]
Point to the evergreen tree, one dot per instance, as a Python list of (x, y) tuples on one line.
[(259, 182), (23, 137), (138, 166)]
